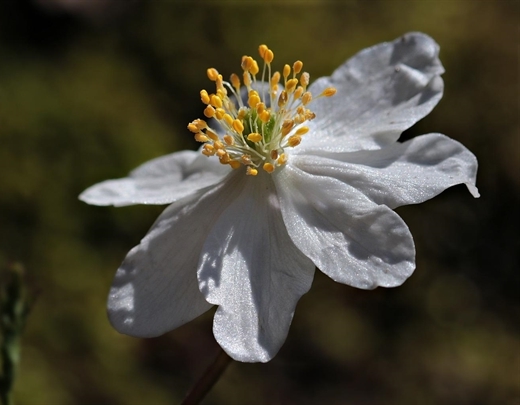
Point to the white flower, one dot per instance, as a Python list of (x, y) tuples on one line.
[(300, 197)]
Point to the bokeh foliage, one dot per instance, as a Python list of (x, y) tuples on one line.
[(89, 93)]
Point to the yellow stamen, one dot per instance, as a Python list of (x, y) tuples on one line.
[(254, 137), (193, 128), (212, 74), (329, 92), (297, 67), (235, 81), (294, 140), (219, 113), (229, 140), (251, 171), (234, 164), (268, 167), (228, 119), (254, 99), (238, 126), (286, 71), (291, 85), (302, 131), (262, 49), (214, 137), (204, 96), (265, 116), (200, 137), (209, 111), (306, 98), (304, 79), (216, 101), (268, 56)]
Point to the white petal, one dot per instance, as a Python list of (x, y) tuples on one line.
[(159, 181), (347, 236), (381, 91), (155, 289), (403, 173), (253, 271)]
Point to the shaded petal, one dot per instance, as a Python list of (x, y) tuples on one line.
[(253, 271), (159, 181), (403, 173), (347, 236), (381, 91), (155, 289)]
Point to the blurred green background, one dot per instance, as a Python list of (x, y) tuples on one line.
[(89, 89)]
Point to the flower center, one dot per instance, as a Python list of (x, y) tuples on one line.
[(257, 131)]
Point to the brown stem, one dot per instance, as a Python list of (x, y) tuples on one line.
[(208, 379)]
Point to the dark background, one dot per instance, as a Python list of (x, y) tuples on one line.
[(89, 89)]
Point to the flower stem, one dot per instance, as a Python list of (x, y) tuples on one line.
[(208, 379), (14, 308)]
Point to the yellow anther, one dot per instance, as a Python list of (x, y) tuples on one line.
[(274, 154), (275, 79), (302, 131), (291, 85), (247, 79), (254, 99), (193, 128), (224, 159), (216, 101), (212, 134), (235, 81), (287, 126), (297, 67), (262, 49), (212, 74), (306, 98), (221, 93), (200, 137), (282, 159), (294, 140), (219, 113), (329, 92), (220, 84), (242, 112), (309, 115), (229, 140), (235, 164), (265, 116), (209, 111), (268, 167), (204, 96), (228, 119), (247, 63), (200, 124), (298, 93), (268, 56), (254, 69), (219, 145), (254, 137), (286, 71), (260, 108), (282, 99), (208, 150), (245, 159), (304, 79), (251, 171), (238, 126)]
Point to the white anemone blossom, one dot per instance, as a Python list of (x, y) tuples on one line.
[(278, 190)]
